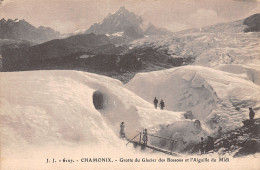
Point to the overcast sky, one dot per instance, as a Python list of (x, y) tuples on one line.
[(69, 15)]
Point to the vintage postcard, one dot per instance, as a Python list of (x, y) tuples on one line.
[(129, 84)]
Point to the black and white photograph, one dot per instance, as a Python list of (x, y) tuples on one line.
[(129, 84)]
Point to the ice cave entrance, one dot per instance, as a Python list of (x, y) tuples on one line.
[(99, 100)]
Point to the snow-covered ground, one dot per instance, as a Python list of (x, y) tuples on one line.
[(249, 72), (220, 86), (32, 103), (46, 113), (41, 108), (216, 98)]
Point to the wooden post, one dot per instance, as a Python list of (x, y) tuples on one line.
[(140, 138), (171, 146)]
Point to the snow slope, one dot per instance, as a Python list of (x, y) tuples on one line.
[(41, 107), (47, 108), (215, 97), (250, 72)]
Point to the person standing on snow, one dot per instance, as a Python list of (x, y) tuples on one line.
[(202, 149), (145, 138), (122, 130), (162, 104), (209, 144), (251, 114), (219, 131), (155, 102)]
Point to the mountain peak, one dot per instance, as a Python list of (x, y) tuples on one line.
[(16, 20), (122, 11), (120, 21), (122, 8), (3, 20)]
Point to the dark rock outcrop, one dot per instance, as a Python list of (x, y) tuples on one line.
[(87, 52), (56, 54), (189, 115), (241, 141), (252, 23)]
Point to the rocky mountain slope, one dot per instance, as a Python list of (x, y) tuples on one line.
[(241, 141), (125, 26), (14, 43), (57, 54), (225, 43), (121, 21), (252, 23), (238, 142), (88, 52)]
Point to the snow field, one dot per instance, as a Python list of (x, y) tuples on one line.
[(216, 98), (41, 107)]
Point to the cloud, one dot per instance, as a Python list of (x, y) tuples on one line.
[(3, 2), (246, 0), (174, 27), (205, 17)]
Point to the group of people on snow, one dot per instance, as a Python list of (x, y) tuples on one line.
[(155, 102), (204, 146)]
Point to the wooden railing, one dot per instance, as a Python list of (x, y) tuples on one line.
[(152, 147)]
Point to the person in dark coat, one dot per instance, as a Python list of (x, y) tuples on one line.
[(145, 138), (122, 130), (155, 102), (209, 144), (219, 131), (162, 104), (202, 149), (251, 114)]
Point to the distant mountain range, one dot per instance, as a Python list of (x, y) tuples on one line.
[(88, 52), (22, 30), (115, 51), (54, 53)]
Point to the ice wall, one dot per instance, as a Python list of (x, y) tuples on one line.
[(215, 97)]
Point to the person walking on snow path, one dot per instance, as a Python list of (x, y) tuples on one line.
[(155, 102), (122, 130), (145, 138), (162, 104)]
